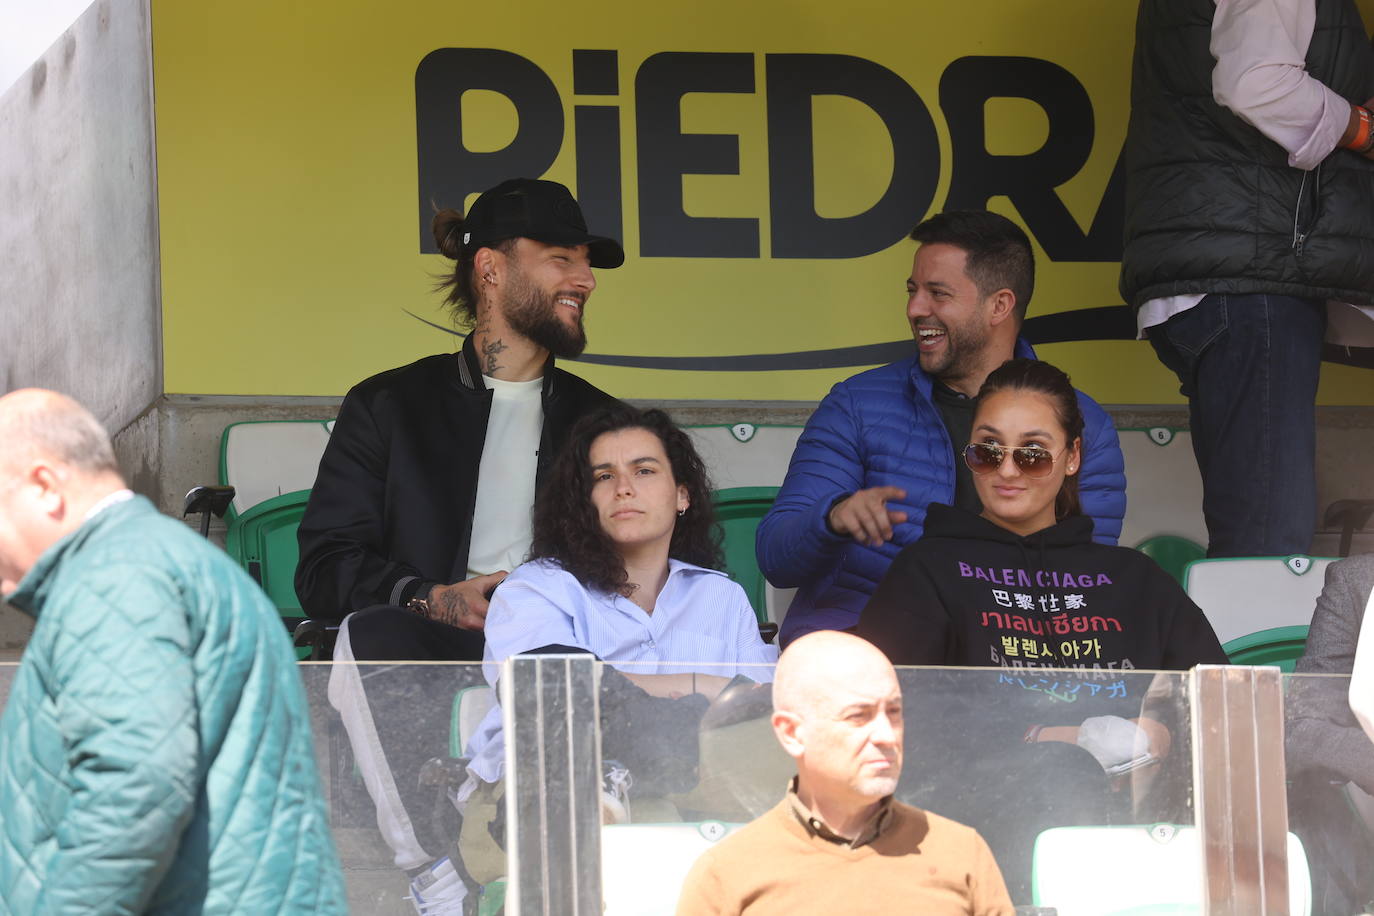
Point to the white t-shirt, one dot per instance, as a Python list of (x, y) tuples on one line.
[(501, 519)]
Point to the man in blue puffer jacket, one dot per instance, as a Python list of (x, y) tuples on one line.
[(155, 749), (886, 443)]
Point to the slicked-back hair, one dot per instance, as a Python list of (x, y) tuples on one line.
[(1051, 382), (566, 525), (461, 297), (999, 253)]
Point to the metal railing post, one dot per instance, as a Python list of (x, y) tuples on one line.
[(553, 785), (1240, 789)]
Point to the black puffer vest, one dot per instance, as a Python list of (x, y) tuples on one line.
[(1212, 205)]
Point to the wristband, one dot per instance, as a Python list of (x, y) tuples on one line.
[(1363, 141)]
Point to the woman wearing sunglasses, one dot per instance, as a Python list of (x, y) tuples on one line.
[(1023, 584), (1022, 587)]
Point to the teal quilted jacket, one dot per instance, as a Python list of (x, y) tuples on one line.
[(155, 749)]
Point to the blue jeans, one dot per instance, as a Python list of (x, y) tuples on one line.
[(1249, 366)]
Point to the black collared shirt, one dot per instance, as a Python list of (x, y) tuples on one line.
[(817, 827)]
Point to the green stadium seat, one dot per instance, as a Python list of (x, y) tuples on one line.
[(271, 465), (1172, 553), (263, 541), (492, 901), (1245, 595), (1278, 646), (738, 512)]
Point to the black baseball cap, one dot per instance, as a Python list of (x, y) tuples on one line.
[(531, 208)]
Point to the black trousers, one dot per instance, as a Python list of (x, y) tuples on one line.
[(386, 633)]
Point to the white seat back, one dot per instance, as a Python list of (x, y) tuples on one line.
[(745, 455), (1163, 486), (1095, 871), (472, 705), (643, 865), (1246, 594), (263, 460)]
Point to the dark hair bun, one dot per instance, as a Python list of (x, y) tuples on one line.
[(448, 232)]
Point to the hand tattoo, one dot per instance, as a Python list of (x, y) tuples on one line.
[(451, 607)]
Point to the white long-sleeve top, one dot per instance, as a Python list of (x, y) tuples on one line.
[(1261, 75)]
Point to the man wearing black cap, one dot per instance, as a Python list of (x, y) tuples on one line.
[(422, 502), (405, 517)]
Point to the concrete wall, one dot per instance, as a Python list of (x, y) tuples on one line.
[(80, 309), (78, 222)]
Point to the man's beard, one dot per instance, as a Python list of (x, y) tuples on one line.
[(963, 348), (532, 313)]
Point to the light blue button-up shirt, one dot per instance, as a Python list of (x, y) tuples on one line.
[(702, 622)]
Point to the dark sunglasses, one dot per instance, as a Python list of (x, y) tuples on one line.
[(1031, 460)]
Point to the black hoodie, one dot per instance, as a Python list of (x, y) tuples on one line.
[(972, 593)]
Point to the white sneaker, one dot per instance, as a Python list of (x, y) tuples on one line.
[(438, 891), (615, 793)]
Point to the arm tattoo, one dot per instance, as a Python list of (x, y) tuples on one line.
[(489, 350)]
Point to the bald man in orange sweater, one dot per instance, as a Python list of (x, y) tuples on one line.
[(839, 843)]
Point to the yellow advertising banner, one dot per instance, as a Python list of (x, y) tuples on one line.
[(762, 162)]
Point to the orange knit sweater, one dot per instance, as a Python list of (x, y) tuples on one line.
[(921, 863)]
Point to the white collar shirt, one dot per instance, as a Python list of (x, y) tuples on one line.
[(702, 622)]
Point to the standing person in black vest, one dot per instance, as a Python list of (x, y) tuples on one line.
[(423, 499), (1249, 219)]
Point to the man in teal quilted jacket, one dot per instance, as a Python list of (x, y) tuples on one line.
[(155, 750)]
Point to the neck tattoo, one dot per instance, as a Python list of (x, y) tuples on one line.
[(490, 349)]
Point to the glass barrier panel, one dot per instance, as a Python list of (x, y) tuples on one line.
[(399, 728), (7, 670), (1330, 766), (1079, 781)]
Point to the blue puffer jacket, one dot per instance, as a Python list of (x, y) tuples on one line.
[(880, 428), (155, 750)]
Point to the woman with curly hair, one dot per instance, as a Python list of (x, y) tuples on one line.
[(623, 566)]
